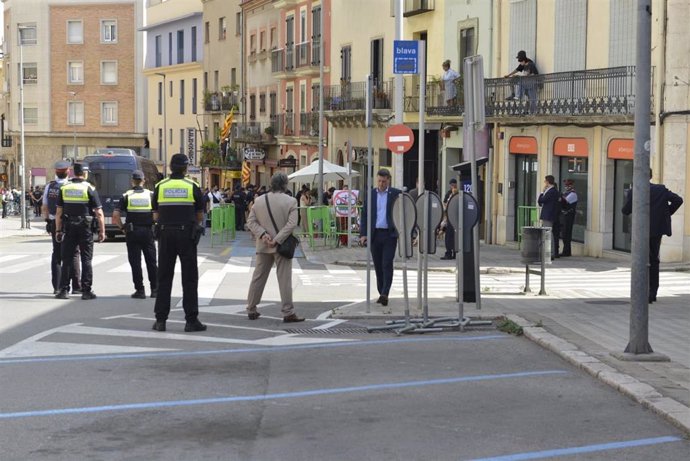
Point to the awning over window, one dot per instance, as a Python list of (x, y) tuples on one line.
[(571, 147), (621, 149), (523, 145)]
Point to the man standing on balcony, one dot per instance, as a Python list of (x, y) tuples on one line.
[(448, 84), (527, 87)]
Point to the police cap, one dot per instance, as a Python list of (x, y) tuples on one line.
[(80, 168), (179, 160), (137, 174), (61, 165)]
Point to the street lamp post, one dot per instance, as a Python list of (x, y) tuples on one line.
[(165, 125), (22, 155), (74, 124)]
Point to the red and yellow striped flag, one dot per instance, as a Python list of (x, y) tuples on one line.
[(246, 173), (225, 132)]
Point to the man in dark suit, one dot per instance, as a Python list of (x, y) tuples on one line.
[(384, 237), (550, 203), (662, 204)]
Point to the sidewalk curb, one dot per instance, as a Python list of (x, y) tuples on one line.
[(644, 394)]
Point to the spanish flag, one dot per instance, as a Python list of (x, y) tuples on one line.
[(246, 173), (225, 132)]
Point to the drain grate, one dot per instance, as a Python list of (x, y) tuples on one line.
[(332, 331)]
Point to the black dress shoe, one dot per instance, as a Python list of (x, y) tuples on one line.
[(139, 294), (86, 295), (378, 301), (652, 299), (194, 325), (384, 300), (292, 318), (447, 258), (564, 255), (158, 325), (253, 315), (62, 294)]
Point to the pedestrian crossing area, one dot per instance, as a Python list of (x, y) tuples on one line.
[(213, 269)]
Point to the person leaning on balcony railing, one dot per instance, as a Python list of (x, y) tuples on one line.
[(448, 82), (525, 68)]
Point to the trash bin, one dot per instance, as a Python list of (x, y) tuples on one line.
[(531, 250)]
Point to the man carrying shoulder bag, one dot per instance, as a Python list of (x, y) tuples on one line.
[(272, 220)]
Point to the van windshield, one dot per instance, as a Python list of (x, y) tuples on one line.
[(110, 183)]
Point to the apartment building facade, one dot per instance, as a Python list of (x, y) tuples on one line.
[(296, 64), (222, 87), (579, 123), (78, 67), (174, 79)]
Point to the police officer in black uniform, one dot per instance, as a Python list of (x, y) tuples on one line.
[(77, 207), (136, 204), (178, 213), (48, 210), (239, 198)]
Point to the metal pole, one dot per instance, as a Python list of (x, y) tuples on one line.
[(165, 125), (421, 50), (398, 164), (639, 283), (22, 199), (460, 253), (321, 59), (370, 189), (74, 129), (349, 194)]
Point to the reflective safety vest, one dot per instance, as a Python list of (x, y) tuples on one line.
[(176, 192), (138, 201), (76, 192)]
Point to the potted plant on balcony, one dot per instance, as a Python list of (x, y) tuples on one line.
[(225, 89), (270, 132), (210, 154), (380, 99)]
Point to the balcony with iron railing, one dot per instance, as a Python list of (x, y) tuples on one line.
[(607, 92), (255, 132), (582, 93), (309, 124), (352, 96), (284, 124), (219, 102)]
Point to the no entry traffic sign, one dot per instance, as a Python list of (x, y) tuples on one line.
[(399, 138)]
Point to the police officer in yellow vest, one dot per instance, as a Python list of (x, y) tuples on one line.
[(136, 203), (178, 212), (77, 207)]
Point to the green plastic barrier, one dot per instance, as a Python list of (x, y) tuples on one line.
[(321, 225), (228, 220)]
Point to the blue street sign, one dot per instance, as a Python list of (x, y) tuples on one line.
[(405, 56)]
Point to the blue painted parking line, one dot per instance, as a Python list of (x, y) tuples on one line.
[(583, 449), (277, 396), (142, 355)]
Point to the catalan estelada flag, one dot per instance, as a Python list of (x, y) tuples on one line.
[(246, 173), (225, 132)]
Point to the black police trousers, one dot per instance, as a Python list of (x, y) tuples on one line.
[(56, 265), (175, 242), (77, 236), (140, 240)]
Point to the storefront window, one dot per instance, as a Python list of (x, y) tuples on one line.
[(575, 168)]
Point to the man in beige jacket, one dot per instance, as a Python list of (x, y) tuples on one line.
[(284, 210)]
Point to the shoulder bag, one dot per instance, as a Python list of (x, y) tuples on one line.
[(287, 248)]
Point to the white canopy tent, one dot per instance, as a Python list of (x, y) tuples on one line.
[(331, 172)]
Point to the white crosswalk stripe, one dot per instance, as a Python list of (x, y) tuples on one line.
[(335, 276)]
